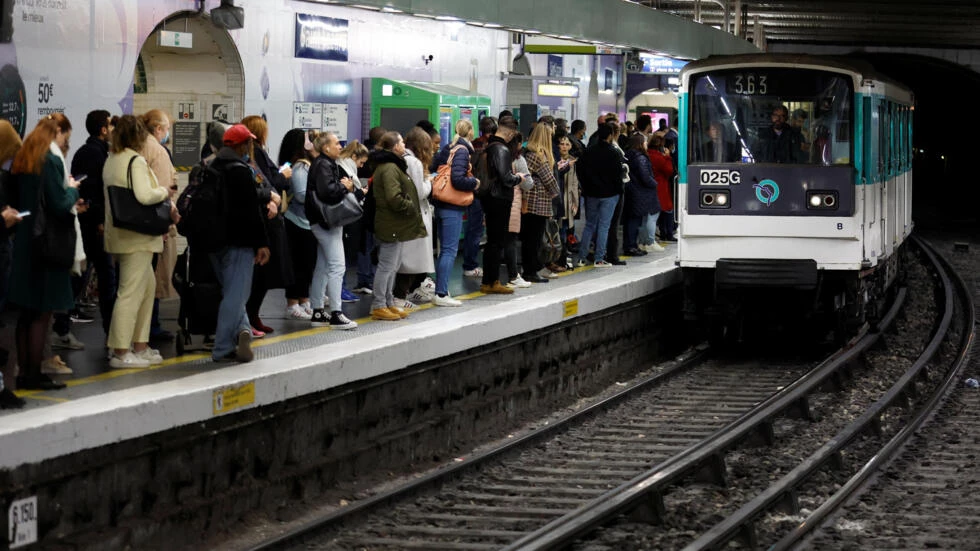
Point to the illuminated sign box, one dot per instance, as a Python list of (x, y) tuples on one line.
[(661, 65), (172, 39), (558, 90)]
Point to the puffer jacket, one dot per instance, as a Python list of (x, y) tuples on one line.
[(398, 216), (642, 187)]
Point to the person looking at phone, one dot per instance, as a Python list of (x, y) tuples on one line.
[(9, 145), (88, 162)]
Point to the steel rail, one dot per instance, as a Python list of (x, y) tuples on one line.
[(434, 479), (648, 488)]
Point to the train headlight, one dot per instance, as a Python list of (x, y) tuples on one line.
[(715, 199), (821, 200)]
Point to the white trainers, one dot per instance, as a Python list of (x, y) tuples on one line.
[(520, 283), (297, 312), (428, 285), (128, 361), (308, 308), (405, 304), (151, 355), (446, 301), (475, 272), (68, 342)]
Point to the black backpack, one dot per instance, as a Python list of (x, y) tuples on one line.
[(203, 208), (478, 160)]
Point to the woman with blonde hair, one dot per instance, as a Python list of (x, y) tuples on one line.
[(38, 285), (537, 207), (450, 217), (158, 158), (9, 145), (352, 159), (129, 332)]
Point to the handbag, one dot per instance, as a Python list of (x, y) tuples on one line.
[(442, 185), (53, 237), (340, 214), (129, 214)]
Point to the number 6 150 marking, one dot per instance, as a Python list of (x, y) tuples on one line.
[(719, 177)]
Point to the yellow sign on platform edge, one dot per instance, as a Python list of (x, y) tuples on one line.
[(232, 398), (571, 307)]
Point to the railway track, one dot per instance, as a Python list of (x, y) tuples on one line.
[(700, 424)]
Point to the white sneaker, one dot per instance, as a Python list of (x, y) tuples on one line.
[(653, 247), (67, 342), (128, 361), (405, 304), (428, 285), (520, 283), (548, 274), (421, 295), (308, 308), (150, 355), (446, 301), (297, 312), (475, 272)]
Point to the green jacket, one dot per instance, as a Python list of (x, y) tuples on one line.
[(398, 217)]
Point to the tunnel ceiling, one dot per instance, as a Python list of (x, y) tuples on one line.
[(869, 23)]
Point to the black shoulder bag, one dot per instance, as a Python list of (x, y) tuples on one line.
[(129, 214), (53, 236)]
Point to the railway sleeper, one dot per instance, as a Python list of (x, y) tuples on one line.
[(800, 409), (789, 502), (763, 436), (713, 471)]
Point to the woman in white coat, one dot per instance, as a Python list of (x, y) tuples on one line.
[(417, 260)]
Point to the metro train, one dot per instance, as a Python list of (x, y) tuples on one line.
[(794, 189)]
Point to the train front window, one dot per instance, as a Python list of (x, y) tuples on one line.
[(770, 115)]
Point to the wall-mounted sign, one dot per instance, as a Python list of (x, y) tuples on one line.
[(173, 39), (555, 65), (307, 115), (557, 90), (320, 37), (661, 65), (335, 119), (186, 111)]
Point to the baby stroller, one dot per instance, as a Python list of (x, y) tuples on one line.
[(200, 296)]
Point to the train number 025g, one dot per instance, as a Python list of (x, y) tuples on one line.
[(720, 177)]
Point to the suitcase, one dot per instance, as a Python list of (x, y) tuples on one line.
[(200, 297)]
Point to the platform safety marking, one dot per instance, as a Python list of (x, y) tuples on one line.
[(22, 522), (232, 398), (571, 307)]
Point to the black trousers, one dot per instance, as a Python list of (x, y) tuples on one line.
[(497, 215), (612, 242), (105, 274), (532, 230)]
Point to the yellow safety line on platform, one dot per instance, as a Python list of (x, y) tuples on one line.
[(267, 341)]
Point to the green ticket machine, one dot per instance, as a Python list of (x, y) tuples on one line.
[(399, 105)]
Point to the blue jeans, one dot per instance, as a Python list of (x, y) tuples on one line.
[(365, 269), (598, 217), (330, 267), (450, 222), (234, 267), (474, 231), (648, 229)]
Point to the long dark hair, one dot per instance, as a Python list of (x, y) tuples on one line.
[(293, 146)]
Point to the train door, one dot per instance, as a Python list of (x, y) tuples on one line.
[(873, 179)]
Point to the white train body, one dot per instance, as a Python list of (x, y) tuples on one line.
[(823, 205)]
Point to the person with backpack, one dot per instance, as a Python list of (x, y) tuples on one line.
[(234, 235), (450, 217), (495, 169)]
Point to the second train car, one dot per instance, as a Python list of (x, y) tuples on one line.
[(794, 187)]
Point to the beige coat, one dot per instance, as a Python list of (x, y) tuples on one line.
[(161, 165), (147, 191)]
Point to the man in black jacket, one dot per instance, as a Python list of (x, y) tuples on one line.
[(89, 161), (497, 202), (601, 176), (243, 243)]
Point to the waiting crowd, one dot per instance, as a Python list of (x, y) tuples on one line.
[(392, 206)]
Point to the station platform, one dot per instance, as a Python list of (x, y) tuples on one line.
[(103, 406)]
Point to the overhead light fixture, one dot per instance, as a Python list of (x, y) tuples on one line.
[(389, 9), (365, 7), (447, 18), (492, 25), (557, 90), (532, 31)]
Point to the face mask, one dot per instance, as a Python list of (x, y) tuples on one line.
[(245, 157), (165, 138)]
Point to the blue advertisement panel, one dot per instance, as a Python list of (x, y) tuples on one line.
[(319, 37)]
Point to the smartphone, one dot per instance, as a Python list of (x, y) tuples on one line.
[(24, 214), (284, 166), (80, 178)]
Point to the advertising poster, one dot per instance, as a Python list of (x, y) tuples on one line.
[(319, 37)]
